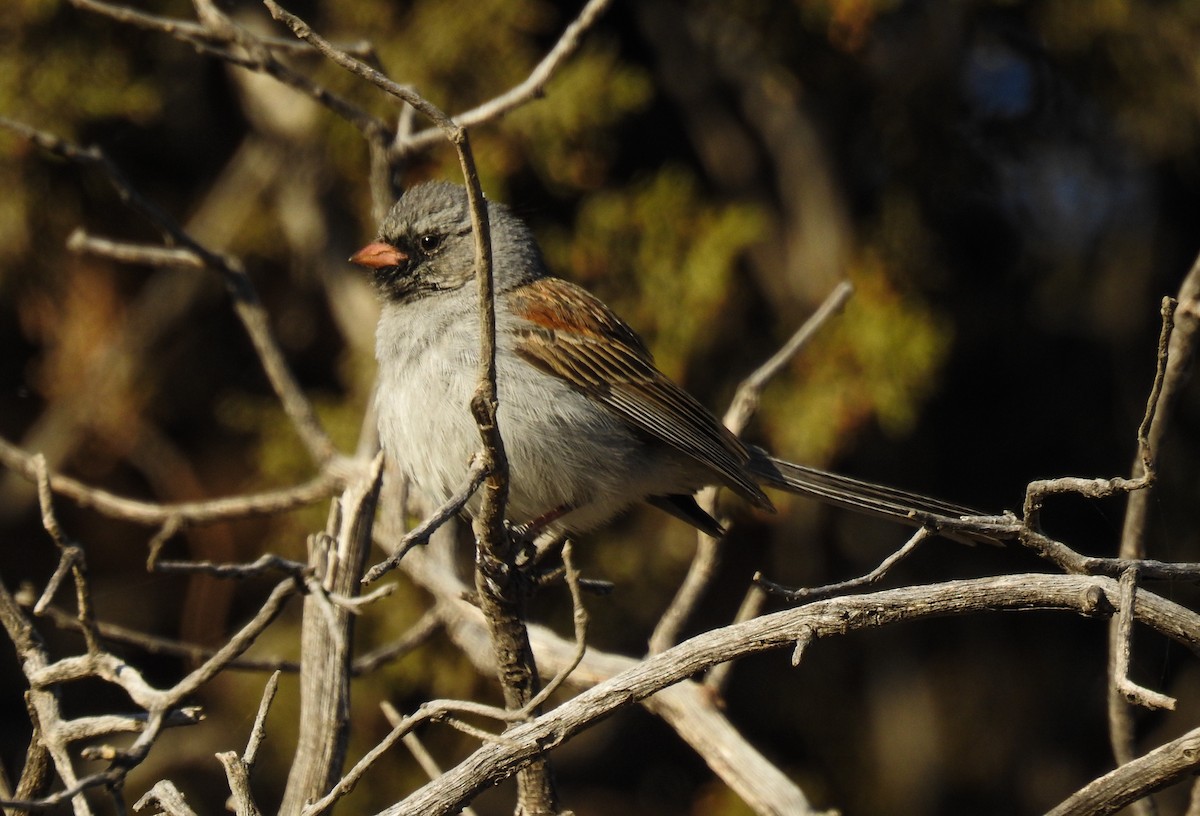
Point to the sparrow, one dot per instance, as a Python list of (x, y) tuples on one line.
[(590, 425)]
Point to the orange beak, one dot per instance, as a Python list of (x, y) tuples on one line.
[(379, 255)]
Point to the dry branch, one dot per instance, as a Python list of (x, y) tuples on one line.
[(1136, 779), (1085, 595)]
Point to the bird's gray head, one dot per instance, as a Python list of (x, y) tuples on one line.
[(426, 246)]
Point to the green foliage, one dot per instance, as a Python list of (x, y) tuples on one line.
[(77, 76), (458, 53), (662, 255), (878, 360), (571, 142)]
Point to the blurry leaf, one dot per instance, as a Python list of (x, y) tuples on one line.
[(77, 76), (569, 135), (662, 256), (878, 361)]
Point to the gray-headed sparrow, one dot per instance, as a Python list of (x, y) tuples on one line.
[(590, 425)]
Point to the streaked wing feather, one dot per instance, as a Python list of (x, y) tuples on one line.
[(572, 335)]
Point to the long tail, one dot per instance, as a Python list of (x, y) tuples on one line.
[(863, 497)]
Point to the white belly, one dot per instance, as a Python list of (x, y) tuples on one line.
[(561, 453)]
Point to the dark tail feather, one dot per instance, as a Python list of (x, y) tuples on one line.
[(863, 497)]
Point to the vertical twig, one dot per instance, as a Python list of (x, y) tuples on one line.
[(1176, 352), (500, 584), (326, 647)]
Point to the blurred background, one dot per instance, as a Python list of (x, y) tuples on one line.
[(1011, 186)]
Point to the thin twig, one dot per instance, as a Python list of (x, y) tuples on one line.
[(45, 715), (420, 633), (1178, 339), (415, 747), (749, 392), (194, 33), (258, 732), (531, 88), (420, 534), (262, 565), (361, 69), (71, 559), (153, 514), (1131, 691), (130, 253), (436, 710), (579, 617), (885, 566), (113, 633), (219, 37), (237, 769), (114, 670)]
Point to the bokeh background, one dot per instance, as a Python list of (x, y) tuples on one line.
[(1011, 186)]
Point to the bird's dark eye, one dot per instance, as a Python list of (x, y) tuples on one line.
[(429, 242)]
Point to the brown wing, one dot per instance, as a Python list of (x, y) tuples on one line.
[(569, 333)]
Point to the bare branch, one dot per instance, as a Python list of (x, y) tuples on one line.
[(838, 616), (238, 776), (885, 566), (45, 713), (415, 747), (686, 707), (1069, 560), (151, 514), (435, 710), (745, 401), (195, 33), (533, 87), (112, 633), (420, 534), (71, 559), (580, 619), (1176, 353), (118, 672), (752, 605), (219, 37), (1140, 777), (1130, 690), (499, 593), (237, 769), (361, 69), (167, 797), (262, 565), (327, 638), (420, 633), (86, 728), (259, 732)]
